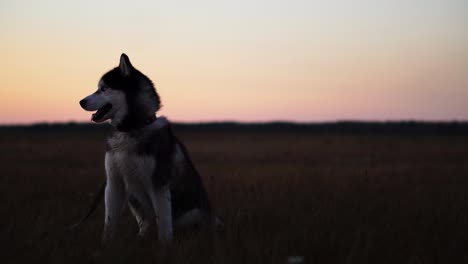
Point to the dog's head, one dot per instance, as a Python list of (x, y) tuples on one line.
[(124, 95)]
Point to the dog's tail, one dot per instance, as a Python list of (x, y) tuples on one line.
[(93, 207)]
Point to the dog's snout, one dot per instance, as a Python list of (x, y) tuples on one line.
[(83, 103)]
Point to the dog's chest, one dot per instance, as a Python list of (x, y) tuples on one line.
[(124, 159)]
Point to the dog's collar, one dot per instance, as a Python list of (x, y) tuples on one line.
[(125, 127)]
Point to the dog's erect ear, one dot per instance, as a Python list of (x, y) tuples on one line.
[(125, 66)]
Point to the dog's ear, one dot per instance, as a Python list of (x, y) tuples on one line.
[(125, 66)]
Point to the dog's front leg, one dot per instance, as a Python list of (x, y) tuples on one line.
[(114, 200), (161, 200)]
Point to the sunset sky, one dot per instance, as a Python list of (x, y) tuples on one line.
[(241, 60)]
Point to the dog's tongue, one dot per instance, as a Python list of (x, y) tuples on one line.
[(96, 117), (100, 113)]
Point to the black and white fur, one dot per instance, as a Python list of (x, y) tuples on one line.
[(146, 165)]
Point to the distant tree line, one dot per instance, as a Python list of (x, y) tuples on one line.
[(343, 127)]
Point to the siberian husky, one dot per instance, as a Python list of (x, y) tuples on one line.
[(146, 165)]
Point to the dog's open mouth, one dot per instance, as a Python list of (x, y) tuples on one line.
[(101, 112)]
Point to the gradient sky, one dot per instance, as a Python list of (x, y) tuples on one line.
[(241, 60)]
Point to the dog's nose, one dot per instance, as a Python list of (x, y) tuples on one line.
[(83, 103)]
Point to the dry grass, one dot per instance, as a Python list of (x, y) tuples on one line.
[(329, 198)]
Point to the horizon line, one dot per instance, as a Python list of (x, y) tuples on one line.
[(239, 122)]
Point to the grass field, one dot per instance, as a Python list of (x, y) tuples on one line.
[(328, 198)]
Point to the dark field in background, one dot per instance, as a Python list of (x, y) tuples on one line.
[(332, 198)]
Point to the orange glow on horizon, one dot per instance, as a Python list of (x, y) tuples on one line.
[(276, 63)]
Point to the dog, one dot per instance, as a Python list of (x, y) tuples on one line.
[(146, 165)]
